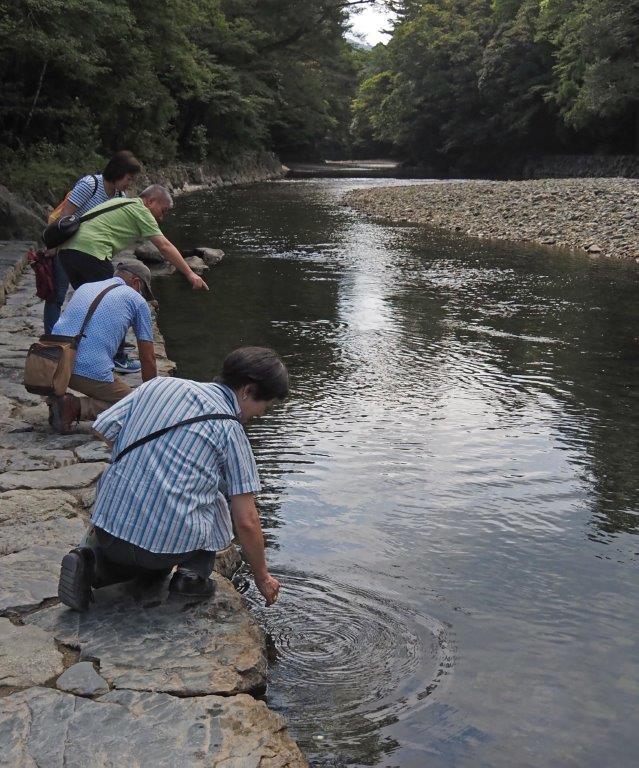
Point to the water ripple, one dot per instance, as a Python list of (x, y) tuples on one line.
[(347, 660)]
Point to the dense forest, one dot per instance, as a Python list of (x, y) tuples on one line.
[(186, 79), (467, 84), (461, 84)]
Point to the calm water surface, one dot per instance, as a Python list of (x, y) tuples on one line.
[(450, 494)]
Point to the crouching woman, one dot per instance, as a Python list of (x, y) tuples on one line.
[(159, 504)]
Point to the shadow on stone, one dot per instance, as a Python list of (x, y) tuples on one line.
[(145, 639)]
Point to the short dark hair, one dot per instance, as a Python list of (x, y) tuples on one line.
[(120, 164), (259, 366)]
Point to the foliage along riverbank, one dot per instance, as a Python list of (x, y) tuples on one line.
[(177, 81), (24, 217), (597, 216), (468, 87)]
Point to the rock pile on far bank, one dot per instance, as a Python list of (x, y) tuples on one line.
[(596, 216)]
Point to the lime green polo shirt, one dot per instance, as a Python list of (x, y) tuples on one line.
[(113, 231)]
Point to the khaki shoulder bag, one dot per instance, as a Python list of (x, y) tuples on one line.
[(50, 361)]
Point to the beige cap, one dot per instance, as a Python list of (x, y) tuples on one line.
[(139, 270)]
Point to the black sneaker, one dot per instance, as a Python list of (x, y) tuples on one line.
[(76, 578), (194, 586)]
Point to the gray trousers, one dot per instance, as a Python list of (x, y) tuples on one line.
[(118, 560)]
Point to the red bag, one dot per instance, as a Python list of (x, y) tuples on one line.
[(42, 264)]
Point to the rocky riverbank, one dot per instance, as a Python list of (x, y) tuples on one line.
[(142, 678), (21, 218), (597, 216)]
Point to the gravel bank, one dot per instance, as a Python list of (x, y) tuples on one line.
[(598, 216)]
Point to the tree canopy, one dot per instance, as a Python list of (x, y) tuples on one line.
[(463, 84), (186, 79)]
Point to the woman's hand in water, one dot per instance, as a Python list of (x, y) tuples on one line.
[(269, 586)]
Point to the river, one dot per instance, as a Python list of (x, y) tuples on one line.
[(451, 490)]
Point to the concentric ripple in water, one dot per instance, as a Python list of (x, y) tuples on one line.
[(345, 662)]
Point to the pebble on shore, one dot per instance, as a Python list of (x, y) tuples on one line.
[(596, 216)]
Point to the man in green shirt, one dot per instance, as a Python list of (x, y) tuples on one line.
[(87, 256)]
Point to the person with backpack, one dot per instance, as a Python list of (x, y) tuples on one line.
[(176, 444), (87, 193), (112, 227)]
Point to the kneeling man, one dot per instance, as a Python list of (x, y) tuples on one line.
[(123, 307), (176, 445)]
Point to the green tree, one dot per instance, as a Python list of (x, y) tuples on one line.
[(514, 78), (427, 100), (596, 72)]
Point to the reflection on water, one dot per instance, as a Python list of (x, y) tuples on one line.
[(456, 468)]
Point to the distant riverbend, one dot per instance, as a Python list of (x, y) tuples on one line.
[(598, 216)]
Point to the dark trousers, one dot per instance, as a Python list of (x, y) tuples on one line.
[(53, 306), (119, 560), (83, 268)]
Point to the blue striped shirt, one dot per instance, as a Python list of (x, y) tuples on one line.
[(85, 198), (165, 496)]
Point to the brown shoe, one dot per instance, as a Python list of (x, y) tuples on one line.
[(65, 411)]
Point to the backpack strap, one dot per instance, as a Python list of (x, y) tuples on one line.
[(92, 214), (160, 432), (92, 308), (95, 185)]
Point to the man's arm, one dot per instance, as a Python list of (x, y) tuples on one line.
[(146, 352), (173, 256), (249, 532)]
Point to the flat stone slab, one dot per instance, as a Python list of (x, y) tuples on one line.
[(44, 727), (27, 461), (28, 656), (29, 577), (41, 518), (146, 639), (83, 680), (96, 450), (15, 391), (73, 476), (42, 440)]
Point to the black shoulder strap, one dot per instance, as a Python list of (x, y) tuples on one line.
[(95, 184), (92, 214), (92, 308), (160, 432)]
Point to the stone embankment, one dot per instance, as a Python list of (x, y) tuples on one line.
[(26, 218), (597, 216), (142, 678)]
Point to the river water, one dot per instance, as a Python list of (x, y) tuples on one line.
[(451, 491)]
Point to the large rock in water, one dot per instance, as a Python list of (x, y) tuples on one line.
[(146, 639), (149, 254), (210, 256), (44, 727), (196, 264)]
